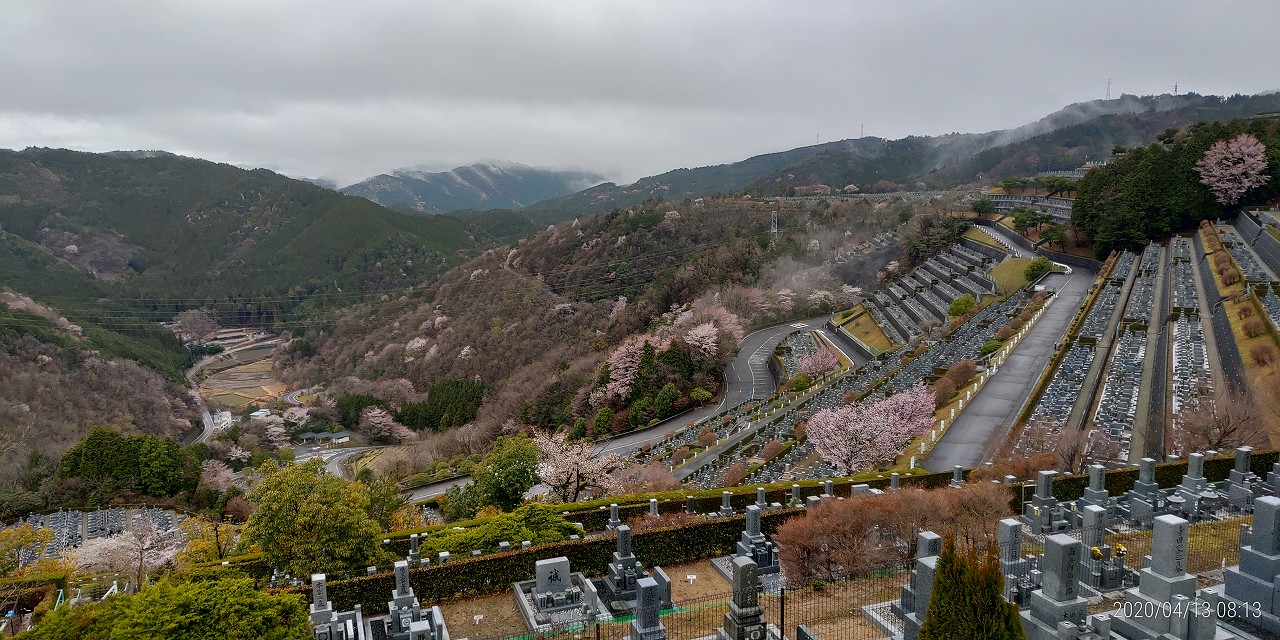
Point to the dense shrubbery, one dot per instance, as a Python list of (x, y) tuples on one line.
[(107, 463)]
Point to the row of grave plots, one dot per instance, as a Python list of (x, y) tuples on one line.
[(72, 528), (1197, 526), (873, 380), (1110, 352), (919, 300)]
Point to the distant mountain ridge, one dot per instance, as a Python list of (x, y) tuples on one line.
[(486, 185), (1061, 140)]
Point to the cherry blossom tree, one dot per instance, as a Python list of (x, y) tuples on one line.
[(1230, 168), (859, 436), (216, 475), (786, 300), (819, 362), (297, 416), (623, 364), (704, 338), (376, 423), (138, 552), (570, 469)]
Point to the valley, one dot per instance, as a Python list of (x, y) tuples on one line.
[(489, 387)]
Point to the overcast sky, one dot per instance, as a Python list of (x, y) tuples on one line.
[(628, 89)]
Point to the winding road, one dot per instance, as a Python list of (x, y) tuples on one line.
[(746, 377)]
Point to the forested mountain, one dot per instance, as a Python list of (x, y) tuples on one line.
[(119, 242), (1062, 140), (489, 185)]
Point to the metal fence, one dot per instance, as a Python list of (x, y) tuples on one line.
[(860, 607)]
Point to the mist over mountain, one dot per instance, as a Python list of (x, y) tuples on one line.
[(1062, 140), (486, 185)]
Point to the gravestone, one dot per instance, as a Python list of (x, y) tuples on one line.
[(1058, 599), (624, 569), (1013, 566), (647, 624), (551, 574), (914, 599), (745, 619), (414, 559), (1096, 493), (688, 504), (861, 490), (1251, 585), (1145, 501), (894, 480), (664, 585), (1164, 581), (504, 546), (1241, 481), (754, 545), (407, 620), (726, 508), (957, 477), (828, 489), (795, 495), (1044, 514), (329, 624), (653, 507), (1104, 569), (762, 500), (613, 518)]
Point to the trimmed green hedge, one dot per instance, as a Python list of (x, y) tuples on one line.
[(594, 514), (494, 573)]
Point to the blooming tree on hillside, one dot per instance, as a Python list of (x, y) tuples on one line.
[(216, 475), (137, 553), (819, 362), (569, 469), (376, 423), (704, 337), (860, 436), (1230, 168)]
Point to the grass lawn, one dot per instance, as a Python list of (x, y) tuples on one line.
[(1009, 275), (975, 235), (865, 329)]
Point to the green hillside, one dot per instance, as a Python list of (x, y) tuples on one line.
[(119, 242)]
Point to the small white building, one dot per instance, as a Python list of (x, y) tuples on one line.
[(222, 419), (259, 414)]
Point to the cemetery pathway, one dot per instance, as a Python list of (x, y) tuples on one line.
[(997, 405)]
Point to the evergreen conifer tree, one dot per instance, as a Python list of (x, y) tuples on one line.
[(967, 601)]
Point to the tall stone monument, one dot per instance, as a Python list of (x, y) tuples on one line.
[(1058, 599), (329, 624), (745, 619)]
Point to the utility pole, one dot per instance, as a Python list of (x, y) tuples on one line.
[(1108, 88), (774, 227)]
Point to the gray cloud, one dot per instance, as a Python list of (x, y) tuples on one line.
[(624, 88)]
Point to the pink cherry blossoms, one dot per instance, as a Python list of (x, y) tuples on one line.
[(819, 362), (1230, 168), (861, 436), (376, 423), (569, 469)]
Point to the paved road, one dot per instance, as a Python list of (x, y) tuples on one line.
[(746, 377), (993, 411)]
